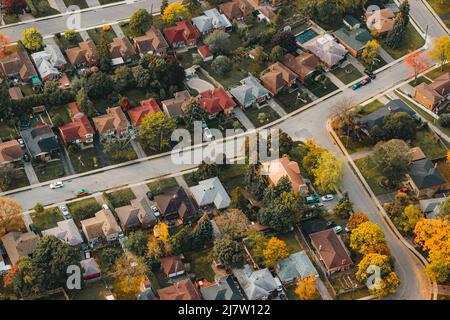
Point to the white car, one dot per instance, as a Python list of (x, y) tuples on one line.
[(105, 207), (21, 143), (327, 197), (208, 135), (337, 229), (56, 185), (156, 212), (64, 210)]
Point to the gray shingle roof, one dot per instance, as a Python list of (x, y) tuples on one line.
[(295, 266), (224, 289), (425, 175), (376, 118)]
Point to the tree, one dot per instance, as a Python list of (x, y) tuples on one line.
[(6, 177), (238, 200), (254, 181), (306, 288), (233, 223), (410, 216), (4, 40), (404, 11), (157, 249), (202, 233), (155, 131), (123, 78), (441, 50), (140, 22), (84, 103), (444, 208), (388, 285), (164, 5), (259, 55), (193, 113), (108, 256), (32, 39), (38, 208), (70, 35), (275, 251), (173, 12), (392, 158), (205, 171), (99, 85), (277, 216), (356, 219), (366, 235), (131, 273), (399, 125), (218, 42), (444, 120), (286, 40), (23, 278), (136, 243), (328, 172), (370, 53), (13, 6), (344, 207), (10, 216), (395, 36), (141, 76), (228, 252), (381, 261), (222, 65), (276, 53), (417, 62), (103, 52)]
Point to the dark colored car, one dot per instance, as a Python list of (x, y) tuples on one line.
[(370, 74), (150, 195), (331, 224), (33, 228), (26, 157)]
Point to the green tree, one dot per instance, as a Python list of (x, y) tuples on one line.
[(228, 252), (218, 42), (38, 208), (276, 53), (409, 218), (328, 172), (233, 223), (277, 216), (222, 65), (202, 233), (123, 78), (193, 113), (142, 76), (84, 103), (103, 52), (238, 200), (344, 207), (399, 125), (70, 35), (395, 37), (155, 131), (99, 85), (140, 22), (392, 159), (205, 171), (136, 243)]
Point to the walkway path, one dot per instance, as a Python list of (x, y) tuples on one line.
[(276, 107), (118, 30), (384, 55), (336, 80), (243, 119), (361, 154), (138, 149)]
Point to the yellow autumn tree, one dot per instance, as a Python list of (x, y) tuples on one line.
[(328, 172), (388, 285), (441, 50), (433, 235), (408, 219), (370, 52), (131, 273), (161, 231), (379, 260), (32, 39), (10, 216), (306, 288), (275, 251), (365, 236), (356, 219), (173, 12)]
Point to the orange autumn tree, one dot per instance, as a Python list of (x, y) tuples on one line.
[(10, 216), (306, 288), (417, 62), (356, 219), (4, 40)]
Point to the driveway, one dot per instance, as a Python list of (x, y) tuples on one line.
[(29, 171), (240, 115), (199, 85)]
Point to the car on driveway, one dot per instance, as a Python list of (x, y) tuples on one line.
[(65, 211), (21, 142), (208, 134), (82, 192), (156, 212), (56, 185), (370, 74), (331, 224), (327, 197), (337, 229), (150, 195), (312, 199), (26, 157)]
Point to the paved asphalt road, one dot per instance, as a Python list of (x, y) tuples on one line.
[(309, 124)]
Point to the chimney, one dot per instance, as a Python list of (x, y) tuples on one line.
[(320, 247)]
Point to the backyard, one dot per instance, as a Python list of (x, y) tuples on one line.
[(92, 291), (200, 262), (373, 176), (291, 241), (347, 74), (261, 116), (7, 132), (231, 176), (18, 180), (47, 219), (429, 143)]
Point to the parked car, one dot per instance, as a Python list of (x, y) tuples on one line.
[(404, 190), (347, 229), (312, 199), (150, 195), (361, 83), (65, 211), (357, 85), (327, 197), (156, 212), (56, 185), (82, 192), (370, 74), (337, 229), (21, 143), (33, 228), (331, 224), (120, 234), (207, 134), (26, 157)]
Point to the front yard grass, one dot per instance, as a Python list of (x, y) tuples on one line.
[(428, 142), (289, 100), (419, 80), (291, 241), (121, 198), (373, 176), (65, 44), (321, 89), (200, 262), (94, 34), (442, 9), (412, 41), (231, 176), (92, 291), (83, 209), (18, 180), (47, 219), (347, 74), (41, 8), (46, 171), (370, 107), (161, 186), (433, 74), (126, 153), (82, 4), (103, 2), (85, 160), (11, 18), (253, 113)]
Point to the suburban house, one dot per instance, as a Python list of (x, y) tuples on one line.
[(304, 65), (327, 50), (424, 179), (183, 34), (10, 151), (434, 96), (277, 77), (331, 250), (49, 62), (122, 51), (90, 269), (283, 167), (174, 107), (101, 227), (113, 124), (211, 20), (377, 118), (18, 244), (84, 55), (41, 142), (432, 207), (210, 191), (148, 106), (17, 65), (172, 266), (257, 285), (272, 3), (250, 92), (215, 101), (147, 292), (354, 40), (153, 42), (4, 268), (15, 93), (296, 266), (66, 231), (138, 214), (176, 204), (205, 53), (236, 9), (181, 290), (225, 288), (381, 21), (79, 131)]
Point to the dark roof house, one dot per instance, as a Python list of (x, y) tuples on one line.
[(224, 289), (425, 178), (176, 204), (40, 141)]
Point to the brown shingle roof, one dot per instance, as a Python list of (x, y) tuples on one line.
[(283, 167), (276, 77), (84, 53), (331, 249), (18, 63), (181, 290), (121, 47), (153, 40), (19, 244), (176, 201), (10, 151), (303, 65), (172, 264), (176, 105), (114, 119), (102, 225)]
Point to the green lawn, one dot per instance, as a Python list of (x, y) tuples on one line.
[(442, 8), (95, 35), (91, 291), (121, 198), (186, 58), (357, 294), (419, 80), (46, 171), (289, 100), (373, 176), (253, 112), (41, 8), (83, 209), (85, 160), (135, 96), (27, 90), (61, 112), (7, 132), (412, 41), (347, 74), (433, 74), (427, 141), (47, 219), (444, 168), (103, 2), (107, 266), (126, 153), (370, 107), (231, 176), (82, 4), (10, 18), (125, 26), (18, 180), (291, 242), (64, 44), (161, 186), (321, 89), (201, 264)]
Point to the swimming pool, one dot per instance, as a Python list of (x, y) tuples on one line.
[(306, 35)]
